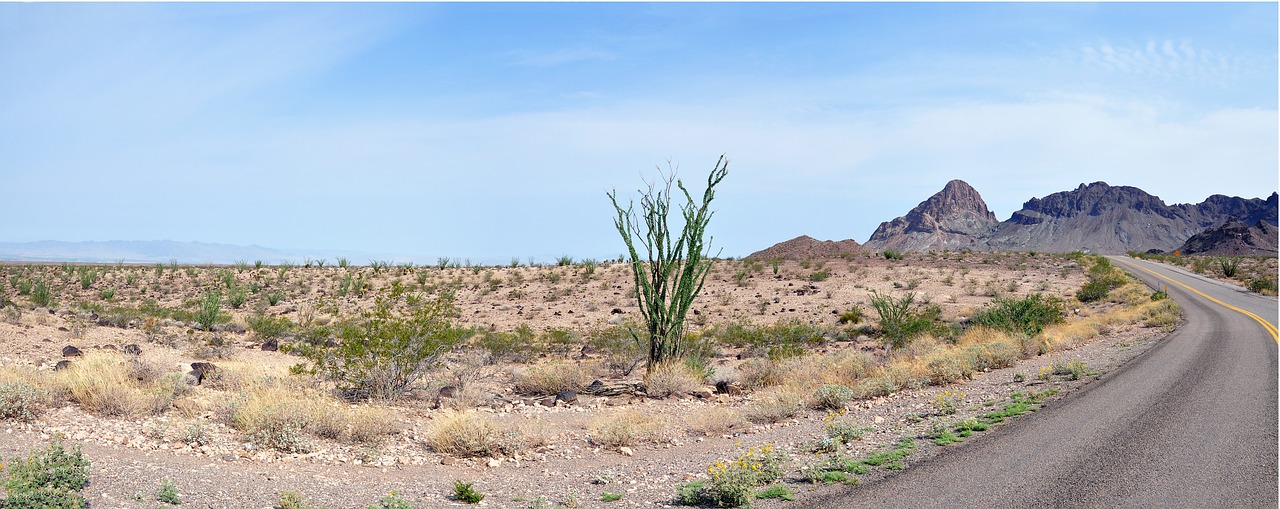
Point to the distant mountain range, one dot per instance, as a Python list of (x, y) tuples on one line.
[(1095, 217), (161, 251)]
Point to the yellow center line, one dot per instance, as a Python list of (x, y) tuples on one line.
[(1271, 329)]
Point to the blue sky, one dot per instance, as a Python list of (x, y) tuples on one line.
[(494, 130)]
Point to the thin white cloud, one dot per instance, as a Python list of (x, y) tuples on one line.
[(561, 57), (1166, 59)]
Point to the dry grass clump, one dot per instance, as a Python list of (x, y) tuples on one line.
[(712, 420), (551, 378), (775, 404), (671, 379), (843, 367), (760, 373), (466, 434), (108, 385), (1161, 313), (628, 427), (275, 415)]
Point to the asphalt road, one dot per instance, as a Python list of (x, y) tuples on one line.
[(1189, 423)]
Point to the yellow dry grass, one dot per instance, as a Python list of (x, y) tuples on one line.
[(465, 433), (629, 427), (671, 379)]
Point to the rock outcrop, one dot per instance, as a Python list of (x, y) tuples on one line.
[(806, 247), (1116, 219), (1235, 238), (954, 218)]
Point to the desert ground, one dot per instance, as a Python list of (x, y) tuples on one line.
[(546, 401)]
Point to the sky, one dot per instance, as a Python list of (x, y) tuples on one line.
[(493, 131)]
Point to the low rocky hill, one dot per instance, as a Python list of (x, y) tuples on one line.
[(806, 247), (1235, 238)]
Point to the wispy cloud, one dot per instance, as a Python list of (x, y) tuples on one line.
[(561, 57), (1168, 59)]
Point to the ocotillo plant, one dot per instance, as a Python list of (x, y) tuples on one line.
[(675, 267)]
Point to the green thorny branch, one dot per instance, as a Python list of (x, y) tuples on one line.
[(676, 267)]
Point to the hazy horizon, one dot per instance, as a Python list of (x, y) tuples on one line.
[(493, 131)]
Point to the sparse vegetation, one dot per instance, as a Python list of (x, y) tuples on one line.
[(49, 478)]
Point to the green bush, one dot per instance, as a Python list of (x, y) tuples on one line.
[(777, 341), (733, 484), (465, 492), (890, 254), (210, 309), (40, 295), (267, 327), (385, 352), (1230, 266), (392, 501), (1264, 285), (20, 401), (1028, 315), (47, 479), (900, 323), (1103, 277), (168, 493), (294, 500)]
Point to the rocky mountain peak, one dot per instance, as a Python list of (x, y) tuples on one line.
[(954, 218)]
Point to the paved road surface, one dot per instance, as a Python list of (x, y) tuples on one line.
[(1189, 423)]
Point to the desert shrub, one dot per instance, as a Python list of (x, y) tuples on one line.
[(851, 316), (267, 326), (466, 434), (294, 500), (760, 373), (1264, 285), (551, 378), (1103, 277), (237, 296), (778, 340), (734, 483), (890, 254), (668, 283), (466, 493), (1028, 315), (500, 346), (392, 500), (712, 420), (832, 397), (1230, 266), (620, 351), (899, 322), (628, 427), (40, 294), (281, 426), (210, 309), (1162, 313), (386, 351), (672, 378), (775, 405), (47, 479), (20, 401)]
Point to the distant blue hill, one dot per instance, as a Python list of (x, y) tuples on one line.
[(164, 251)]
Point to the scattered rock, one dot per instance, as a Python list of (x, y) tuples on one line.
[(201, 370), (567, 396), (626, 451), (271, 345), (133, 349), (61, 365), (71, 351)]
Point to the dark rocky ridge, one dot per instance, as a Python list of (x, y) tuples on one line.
[(954, 218), (1116, 219), (1095, 217), (1235, 238), (804, 246)]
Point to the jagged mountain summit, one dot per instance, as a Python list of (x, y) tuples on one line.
[(804, 247), (1235, 238), (1095, 217), (1115, 219), (954, 218)]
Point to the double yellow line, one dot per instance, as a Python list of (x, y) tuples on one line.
[(1271, 329)]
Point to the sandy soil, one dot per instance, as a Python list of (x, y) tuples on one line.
[(131, 456)]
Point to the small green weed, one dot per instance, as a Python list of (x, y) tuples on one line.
[(465, 492), (168, 493), (610, 497)]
